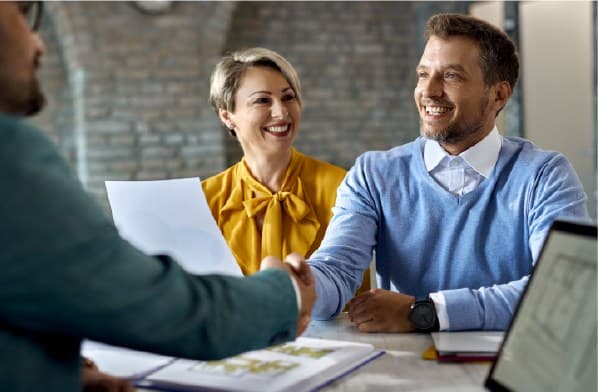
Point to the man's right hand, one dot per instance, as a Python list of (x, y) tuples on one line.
[(301, 274)]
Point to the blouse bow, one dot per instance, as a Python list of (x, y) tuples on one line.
[(290, 222)]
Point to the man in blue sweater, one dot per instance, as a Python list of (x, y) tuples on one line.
[(67, 275), (458, 216)]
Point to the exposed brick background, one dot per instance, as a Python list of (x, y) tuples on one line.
[(143, 80)]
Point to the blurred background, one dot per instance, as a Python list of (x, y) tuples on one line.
[(128, 82)]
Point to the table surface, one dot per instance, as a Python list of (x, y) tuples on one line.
[(401, 368)]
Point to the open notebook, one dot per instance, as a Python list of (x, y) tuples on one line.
[(302, 365), (551, 342)]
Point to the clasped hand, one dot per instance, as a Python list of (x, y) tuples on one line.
[(381, 311), (299, 270)]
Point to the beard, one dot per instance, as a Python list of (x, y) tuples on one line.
[(21, 98), (459, 130), (36, 101)]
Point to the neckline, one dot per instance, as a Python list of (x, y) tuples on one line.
[(445, 194)]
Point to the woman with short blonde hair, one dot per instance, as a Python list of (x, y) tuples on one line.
[(276, 200)]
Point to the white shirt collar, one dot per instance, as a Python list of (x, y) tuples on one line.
[(481, 157)]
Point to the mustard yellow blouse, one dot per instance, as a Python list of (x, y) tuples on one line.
[(295, 218)]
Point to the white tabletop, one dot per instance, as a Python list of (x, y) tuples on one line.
[(402, 367)]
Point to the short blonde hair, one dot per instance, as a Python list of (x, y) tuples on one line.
[(226, 77)]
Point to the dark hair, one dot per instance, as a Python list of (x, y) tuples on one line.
[(498, 56)]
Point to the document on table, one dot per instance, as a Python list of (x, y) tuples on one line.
[(171, 217), (122, 362), (467, 345), (468, 341), (302, 365)]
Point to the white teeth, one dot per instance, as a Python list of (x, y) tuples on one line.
[(436, 109), (279, 129)]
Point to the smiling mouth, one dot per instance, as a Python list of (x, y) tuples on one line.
[(278, 130), (436, 110)]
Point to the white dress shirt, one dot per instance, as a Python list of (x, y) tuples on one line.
[(460, 174)]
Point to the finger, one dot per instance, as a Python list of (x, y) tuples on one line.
[(303, 323), (361, 312), (356, 300), (127, 387), (271, 262), (369, 326), (299, 265), (119, 385), (362, 317), (305, 320), (360, 299), (303, 273), (295, 259)]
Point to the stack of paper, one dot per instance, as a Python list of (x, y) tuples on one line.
[(467, 346)]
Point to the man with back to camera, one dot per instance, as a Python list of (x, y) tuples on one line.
[(458, 216), (67, 275)]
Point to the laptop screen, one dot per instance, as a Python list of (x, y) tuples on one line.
[(551, 342)]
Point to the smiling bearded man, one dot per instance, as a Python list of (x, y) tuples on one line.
[(457, 217)]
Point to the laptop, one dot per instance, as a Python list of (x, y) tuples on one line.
[(550, 344)]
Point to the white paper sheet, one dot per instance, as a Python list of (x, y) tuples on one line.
[(171, 217), (468, 341), (122, 362)]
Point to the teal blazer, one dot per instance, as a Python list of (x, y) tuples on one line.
[(66, 275)]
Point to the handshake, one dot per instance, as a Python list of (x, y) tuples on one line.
[(300, 273)]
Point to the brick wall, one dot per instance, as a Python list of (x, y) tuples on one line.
[(143, 93)]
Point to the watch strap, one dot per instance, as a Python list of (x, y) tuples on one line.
[(436, 326)]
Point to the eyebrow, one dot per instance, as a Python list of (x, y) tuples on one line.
[(260, 92), (284, 90), (455, 67)]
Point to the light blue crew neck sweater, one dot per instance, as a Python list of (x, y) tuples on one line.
[(478, 249)]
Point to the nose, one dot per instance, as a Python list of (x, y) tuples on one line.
[(431, 87), (38, 44), (279, 109)]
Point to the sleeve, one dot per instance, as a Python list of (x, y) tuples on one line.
[(346, 250), (555, 193), (67, 272)]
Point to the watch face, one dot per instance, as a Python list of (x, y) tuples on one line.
[(423, 315)]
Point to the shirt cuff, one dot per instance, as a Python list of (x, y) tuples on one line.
[(440, 305), (297, 292)]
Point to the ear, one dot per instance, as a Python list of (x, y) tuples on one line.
[(226, 118), (502, 93)]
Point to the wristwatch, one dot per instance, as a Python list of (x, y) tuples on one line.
[(423, 315)]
